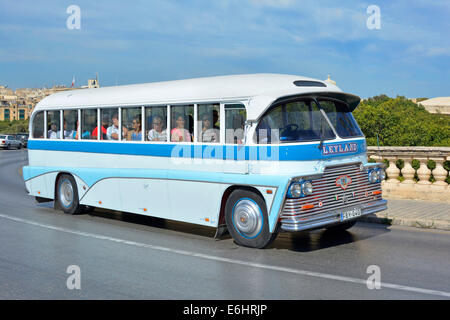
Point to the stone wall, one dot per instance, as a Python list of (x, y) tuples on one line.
[(409, 188)]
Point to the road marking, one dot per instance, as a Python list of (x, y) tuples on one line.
[(233, 261)]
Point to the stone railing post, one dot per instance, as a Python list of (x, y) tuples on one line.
[(392, 171), (408, 171), (409, 189), (439, 173), (423, 172)]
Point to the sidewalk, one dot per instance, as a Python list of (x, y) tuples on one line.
[(414, 213)]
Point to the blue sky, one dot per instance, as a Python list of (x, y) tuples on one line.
[(144, 41)]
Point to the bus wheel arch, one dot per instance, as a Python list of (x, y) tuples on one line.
[(246, 217), (226, 195), (66, 194)]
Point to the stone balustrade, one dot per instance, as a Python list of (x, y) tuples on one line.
[(410, 188)]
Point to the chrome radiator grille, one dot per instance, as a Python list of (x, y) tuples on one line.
[(329, 196)]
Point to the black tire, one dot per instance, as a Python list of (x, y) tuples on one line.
[(256, 221), (8, 147), (67, 195), (342, 227)]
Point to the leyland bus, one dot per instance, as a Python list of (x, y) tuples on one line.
[(252, 154)]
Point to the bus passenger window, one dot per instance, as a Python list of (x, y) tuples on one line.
[(208, 123), (182, 123), (235, 116), (88, 124), (53, 125), (131, 124), (38, 125), (106, 116), (156, 123), (70, 124)]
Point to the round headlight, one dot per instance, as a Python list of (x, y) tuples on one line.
[(382, 174), (295, 190), (307, 188), (373, 176)]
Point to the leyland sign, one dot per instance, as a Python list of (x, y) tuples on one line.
[(339, 148)]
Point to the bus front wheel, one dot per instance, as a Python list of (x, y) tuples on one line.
[(246, 218), (67, 195)]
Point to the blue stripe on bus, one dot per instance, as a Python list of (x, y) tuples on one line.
[(199, 151), (90, 176)]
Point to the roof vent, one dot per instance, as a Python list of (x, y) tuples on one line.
[(308, 83)]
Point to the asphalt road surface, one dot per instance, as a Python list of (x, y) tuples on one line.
[(125, 256)]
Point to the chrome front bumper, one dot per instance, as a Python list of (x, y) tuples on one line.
[(299, 223)]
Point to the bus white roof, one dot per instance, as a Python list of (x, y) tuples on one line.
[(260, 89)]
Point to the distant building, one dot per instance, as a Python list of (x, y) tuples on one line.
[(19, 104), (437, 105), (330, 81), (92, 83)]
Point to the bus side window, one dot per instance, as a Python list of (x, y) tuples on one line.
[(109, 124), (88, 123), (38, 125), (235, 116), (131, 124), (156, 123), (53, 125), (182, 123), (208, 123), (70, 118)]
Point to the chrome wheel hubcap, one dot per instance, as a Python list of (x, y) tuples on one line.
[(247, 218), (66, 193)]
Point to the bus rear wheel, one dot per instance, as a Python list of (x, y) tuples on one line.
[(67, 195), (246, 218)]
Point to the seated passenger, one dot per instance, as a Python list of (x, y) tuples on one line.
[(68, 134), (112, 133), (53, 133), (179, 133), (86, 134), (157, 133), (208, 134), (136, 133), (105, 123)]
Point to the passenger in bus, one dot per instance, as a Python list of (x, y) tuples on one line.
[(157, 133), (207, 133), (67, 134), (179, 133), (85, 135), (215, 119), (105, 123), (112, 133), (136, 133), (53, 133), (190, 126)]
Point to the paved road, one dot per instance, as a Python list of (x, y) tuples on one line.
[(123, 256)]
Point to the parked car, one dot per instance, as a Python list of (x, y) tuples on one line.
[(23, 137), (8, 141)]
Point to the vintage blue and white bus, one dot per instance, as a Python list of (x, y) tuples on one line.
[(252, 154)]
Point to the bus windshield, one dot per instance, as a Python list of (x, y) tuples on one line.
[(294, 121), (341, 118)]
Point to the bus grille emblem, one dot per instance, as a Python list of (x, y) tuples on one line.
[(343, 181)]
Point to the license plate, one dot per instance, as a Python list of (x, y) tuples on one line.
[(350, 214)]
